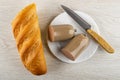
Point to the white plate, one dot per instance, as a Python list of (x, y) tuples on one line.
[(55, 47)]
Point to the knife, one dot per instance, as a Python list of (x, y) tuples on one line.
[(87, 27)]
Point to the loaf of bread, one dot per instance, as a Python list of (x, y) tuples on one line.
[(28, 40)]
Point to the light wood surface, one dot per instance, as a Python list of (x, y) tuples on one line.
[(101, 66)]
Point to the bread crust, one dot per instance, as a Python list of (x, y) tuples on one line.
[(28, 40)]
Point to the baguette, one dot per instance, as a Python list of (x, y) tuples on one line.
[(28, 40)]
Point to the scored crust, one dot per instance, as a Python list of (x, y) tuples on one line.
[(28, 40)]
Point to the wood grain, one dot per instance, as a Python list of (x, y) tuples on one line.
[(101, 66), (101, 41)]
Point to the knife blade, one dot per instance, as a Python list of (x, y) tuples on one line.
[(104, 44)]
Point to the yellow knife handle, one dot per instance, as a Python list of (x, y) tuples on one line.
[(101, 41)]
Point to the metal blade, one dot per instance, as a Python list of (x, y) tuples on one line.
[(77, 18)]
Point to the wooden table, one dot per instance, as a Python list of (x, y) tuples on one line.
[(102, 66)]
